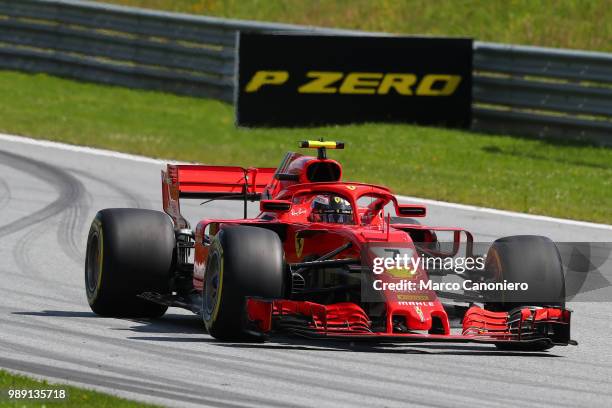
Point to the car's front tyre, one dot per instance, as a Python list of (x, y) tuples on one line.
[(243, 261), (526, 259)]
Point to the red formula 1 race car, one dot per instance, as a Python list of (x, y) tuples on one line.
[(323, 259)]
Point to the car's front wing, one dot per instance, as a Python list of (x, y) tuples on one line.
[(347, 321)]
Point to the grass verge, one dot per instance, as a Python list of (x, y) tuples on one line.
[(532, 176), (76, 397), (582, 24)]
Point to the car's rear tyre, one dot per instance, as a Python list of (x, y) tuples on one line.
[(529, 259), (129, 251), (243, 261)]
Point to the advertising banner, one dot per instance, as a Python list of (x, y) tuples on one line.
[(309, 80)]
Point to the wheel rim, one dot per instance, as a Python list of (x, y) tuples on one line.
[(211, 285), (93, 264)]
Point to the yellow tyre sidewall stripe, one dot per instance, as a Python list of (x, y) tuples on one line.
[(215, 312)]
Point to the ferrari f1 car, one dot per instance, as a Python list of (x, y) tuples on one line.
[(306, 265)]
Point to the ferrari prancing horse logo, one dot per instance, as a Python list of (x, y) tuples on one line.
[(420, 313), (299, 246)]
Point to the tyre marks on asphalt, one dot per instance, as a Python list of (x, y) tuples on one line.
[(22, 252), (73, 205), (69, 204), (5, 194), (72, 223), (75, 220), (66, 185)]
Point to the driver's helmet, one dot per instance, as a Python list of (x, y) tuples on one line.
[(331, 209)]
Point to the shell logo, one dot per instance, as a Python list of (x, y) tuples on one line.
[(402, 273)]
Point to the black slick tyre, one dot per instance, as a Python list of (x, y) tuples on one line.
[(129, 252), (535, 261), (243, 261)]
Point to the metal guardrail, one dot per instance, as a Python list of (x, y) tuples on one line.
[(543, 92), (517, 90)]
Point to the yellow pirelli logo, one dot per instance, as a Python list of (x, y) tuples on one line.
[(360, 83)]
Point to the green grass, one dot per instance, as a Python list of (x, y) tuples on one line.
[(77, 397), (532, 176), (581, 24)]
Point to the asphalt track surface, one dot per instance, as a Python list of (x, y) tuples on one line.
[(48, 197)]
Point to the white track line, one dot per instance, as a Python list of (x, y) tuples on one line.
[(82, 149), (144, 159)]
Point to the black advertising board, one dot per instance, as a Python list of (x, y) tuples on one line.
[(306, 80)]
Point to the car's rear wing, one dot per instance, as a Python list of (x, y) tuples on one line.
[(211, 182)]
